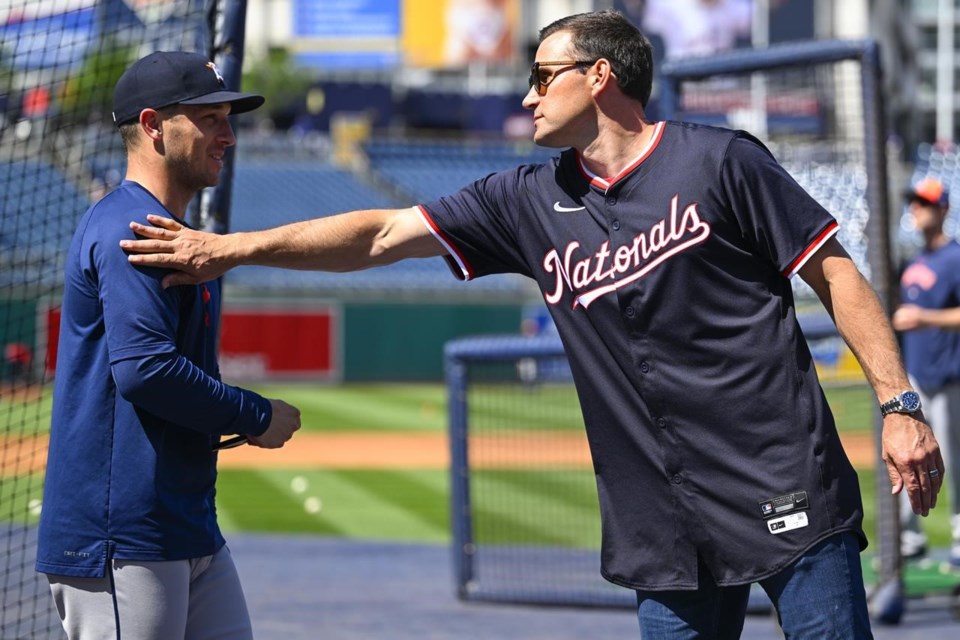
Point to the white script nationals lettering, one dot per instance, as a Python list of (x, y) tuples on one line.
[(606, 270)]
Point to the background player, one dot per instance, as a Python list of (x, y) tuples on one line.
[(128, 532), (664, 252), (930, 320)]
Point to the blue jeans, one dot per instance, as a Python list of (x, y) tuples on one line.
[(818, 597)]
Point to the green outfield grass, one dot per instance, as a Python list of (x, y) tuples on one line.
[(412, 505), (365, 407), (25, 418), (369, 504)]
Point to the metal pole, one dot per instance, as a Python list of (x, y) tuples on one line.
[(945, 66)]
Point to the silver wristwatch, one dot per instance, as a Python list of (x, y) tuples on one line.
[(904, 402)]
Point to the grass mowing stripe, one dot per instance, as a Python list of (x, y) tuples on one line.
[(225, 519), (536, 407), (349, 407), (537, 498), (852, 407), (575, 489), (516, 518), (21, 497), (25, 417), (423, 494), (256, 501), (356, 511)]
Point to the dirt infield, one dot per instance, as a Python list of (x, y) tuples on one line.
[(394, 450), (431, 451)]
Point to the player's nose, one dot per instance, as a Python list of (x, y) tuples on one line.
[(227, 137), (531, 100)]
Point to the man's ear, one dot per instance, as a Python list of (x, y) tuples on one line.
[(151, 124), (603, 74)]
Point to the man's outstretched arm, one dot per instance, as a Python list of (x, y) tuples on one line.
[(344, 242), (910, 450)]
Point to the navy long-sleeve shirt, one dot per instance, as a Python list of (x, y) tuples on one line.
[(138, 404)]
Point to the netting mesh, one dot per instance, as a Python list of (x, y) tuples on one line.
[(59, 151), (811, 118), (534, 509)]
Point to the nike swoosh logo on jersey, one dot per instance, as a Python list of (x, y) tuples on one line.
[(559, 208)]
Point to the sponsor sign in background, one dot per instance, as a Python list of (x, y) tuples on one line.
[(347, 34), (257, 343), (382, 34)]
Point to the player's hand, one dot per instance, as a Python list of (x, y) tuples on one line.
[(285, 420), (911, 452), (197, 255), (907, 318)]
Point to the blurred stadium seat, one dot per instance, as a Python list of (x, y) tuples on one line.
[(428, 170), (40, 208), (267, 194)]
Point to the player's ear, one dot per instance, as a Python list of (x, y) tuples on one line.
[(151, 124), (602, 73)]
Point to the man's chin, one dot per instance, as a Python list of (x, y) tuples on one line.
[(544, 139)]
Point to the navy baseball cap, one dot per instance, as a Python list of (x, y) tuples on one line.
[(929, 190), (165, 78)]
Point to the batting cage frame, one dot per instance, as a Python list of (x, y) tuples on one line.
[(60, 152), (865, 146)]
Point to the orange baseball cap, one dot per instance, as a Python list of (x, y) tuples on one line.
[(929, 190)]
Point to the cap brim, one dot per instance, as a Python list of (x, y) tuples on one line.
[(913, 196), (239, 102)]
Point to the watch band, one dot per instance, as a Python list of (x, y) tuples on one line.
[(904, 402)]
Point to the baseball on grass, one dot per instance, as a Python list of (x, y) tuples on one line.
[(298, 484)]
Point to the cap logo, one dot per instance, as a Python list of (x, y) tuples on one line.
[(216, 72)]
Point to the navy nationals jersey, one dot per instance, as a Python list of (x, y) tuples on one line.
[(670, 286)]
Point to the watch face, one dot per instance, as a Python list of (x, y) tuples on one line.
[(910, 401)]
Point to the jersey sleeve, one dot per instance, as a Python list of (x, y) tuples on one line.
[(479, 225), (140, 317), (141, 324), (780, 220)]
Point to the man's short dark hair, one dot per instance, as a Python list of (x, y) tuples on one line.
[(608, 34)]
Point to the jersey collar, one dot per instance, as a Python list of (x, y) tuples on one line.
[(606, 183)]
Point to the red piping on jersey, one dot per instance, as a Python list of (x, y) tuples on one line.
[(604, 183), (818, 242), (458, 264)]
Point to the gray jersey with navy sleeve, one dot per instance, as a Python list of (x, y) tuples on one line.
[(670, 286)]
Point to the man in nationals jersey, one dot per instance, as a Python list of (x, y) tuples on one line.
[(665, 253)]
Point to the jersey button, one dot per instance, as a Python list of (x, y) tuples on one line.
[(611, 200), (644, 367), (661, 423), (616, 225), (677, 479)]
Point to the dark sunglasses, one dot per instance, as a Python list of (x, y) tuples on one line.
[(540, 85)]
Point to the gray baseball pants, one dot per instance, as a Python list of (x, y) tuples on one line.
[(194, 599)]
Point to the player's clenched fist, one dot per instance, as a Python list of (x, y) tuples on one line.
[(285, 420)]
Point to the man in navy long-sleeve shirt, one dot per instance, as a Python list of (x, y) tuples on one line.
[(128, 532)]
